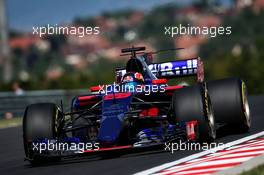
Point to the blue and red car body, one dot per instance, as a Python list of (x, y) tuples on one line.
[(145, 114), (134, 119)]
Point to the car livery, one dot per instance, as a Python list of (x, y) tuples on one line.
[(120, 118)]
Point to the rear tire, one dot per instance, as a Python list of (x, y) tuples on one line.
[(193, 103), (40, 121), (230, 103)]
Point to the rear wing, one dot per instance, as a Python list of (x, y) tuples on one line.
[(172, 69)]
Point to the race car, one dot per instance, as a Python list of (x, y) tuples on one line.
[(140, 109)]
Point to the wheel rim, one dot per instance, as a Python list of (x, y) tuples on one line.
[(245, 105), (211, 122), (210, 116)]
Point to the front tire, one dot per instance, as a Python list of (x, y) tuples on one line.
[(40, 121), (193, 103)]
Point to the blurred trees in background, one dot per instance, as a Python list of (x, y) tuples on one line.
[(240, 54)]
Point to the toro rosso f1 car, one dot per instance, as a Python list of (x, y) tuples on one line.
[(139, 110)]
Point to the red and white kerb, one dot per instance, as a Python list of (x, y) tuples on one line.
[(220, 160)]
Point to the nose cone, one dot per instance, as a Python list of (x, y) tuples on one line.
[(114, 108), (110, 129)]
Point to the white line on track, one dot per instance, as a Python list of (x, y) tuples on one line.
[(197, 155)]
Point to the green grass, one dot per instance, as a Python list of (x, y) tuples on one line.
[(4, 123), (256, 171)]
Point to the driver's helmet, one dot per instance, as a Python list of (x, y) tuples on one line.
[(132, 77), (131, 81)]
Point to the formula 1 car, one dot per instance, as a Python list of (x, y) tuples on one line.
[(139, 110)]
